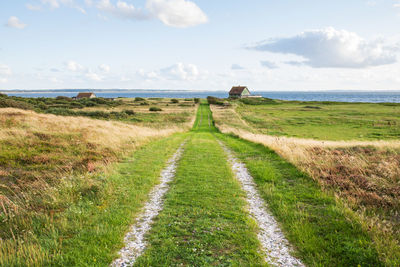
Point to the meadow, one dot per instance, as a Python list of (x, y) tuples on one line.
[(149, 112), (350, 149), (51, 164), (73, 184), (321, 120)]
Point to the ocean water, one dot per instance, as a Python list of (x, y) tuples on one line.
[(339, 96)]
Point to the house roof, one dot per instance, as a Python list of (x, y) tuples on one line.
[(237, 90), (85, 94)]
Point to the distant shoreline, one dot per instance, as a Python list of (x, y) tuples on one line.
[(332, 96)]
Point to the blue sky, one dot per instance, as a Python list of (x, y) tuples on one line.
[(200, 45)]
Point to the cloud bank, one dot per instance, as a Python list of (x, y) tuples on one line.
[(331, 48)]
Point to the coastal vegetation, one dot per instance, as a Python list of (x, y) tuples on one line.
[(129, 110), (51, 168), (71, 186), (362, 171)]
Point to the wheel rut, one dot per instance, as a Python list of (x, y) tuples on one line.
[(135, 242)]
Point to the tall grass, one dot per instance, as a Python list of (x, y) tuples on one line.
[(49, 162)]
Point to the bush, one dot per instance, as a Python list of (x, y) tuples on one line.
[(138, 99), (155, 109), (196, 100), (188, 99), (129, 112), (9, 103), (257, 101), (3, 95), (214, 101), (144, 104), (175, 101), (66, 98)]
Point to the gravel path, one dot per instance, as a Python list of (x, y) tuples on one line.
[(274, 243), (135, 242)]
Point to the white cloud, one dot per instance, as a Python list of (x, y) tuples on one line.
[(268, 64), (176, 72), (74, 66), (93, 76), (237, 67), (330, 48), (104, 68), (177, 13), (84, 73), (14, 22), (174, 13), (180, 71), (121, 9)]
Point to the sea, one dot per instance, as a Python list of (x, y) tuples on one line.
[(337, 96)]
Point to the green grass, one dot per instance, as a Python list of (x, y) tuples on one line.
[(204, 221), (316, 225), (324, 121), (90, 230), (321, 230)]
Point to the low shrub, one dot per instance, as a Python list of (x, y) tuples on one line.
[(155, 109), (10, 103), (175, 101), (129, 112), (214, 101), (66, 98), (312, 107), (257, 101), (138, 99), (196, 100)]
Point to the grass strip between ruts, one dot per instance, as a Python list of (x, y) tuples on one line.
[(204, 221)]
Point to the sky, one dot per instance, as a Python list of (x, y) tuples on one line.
[(285, 45)]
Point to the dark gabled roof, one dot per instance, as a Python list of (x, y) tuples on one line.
[(84, 95), (237, 90)]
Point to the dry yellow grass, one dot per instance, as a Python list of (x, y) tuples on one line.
[(364, 175), (104, 133), (41, 153)]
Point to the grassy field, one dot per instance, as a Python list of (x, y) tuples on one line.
[(363, 174), (74, 207), (168, 112), (322, 120), (49, 167), (204, 221)]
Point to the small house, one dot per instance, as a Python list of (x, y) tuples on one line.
[(239, 92), (85, 95)]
